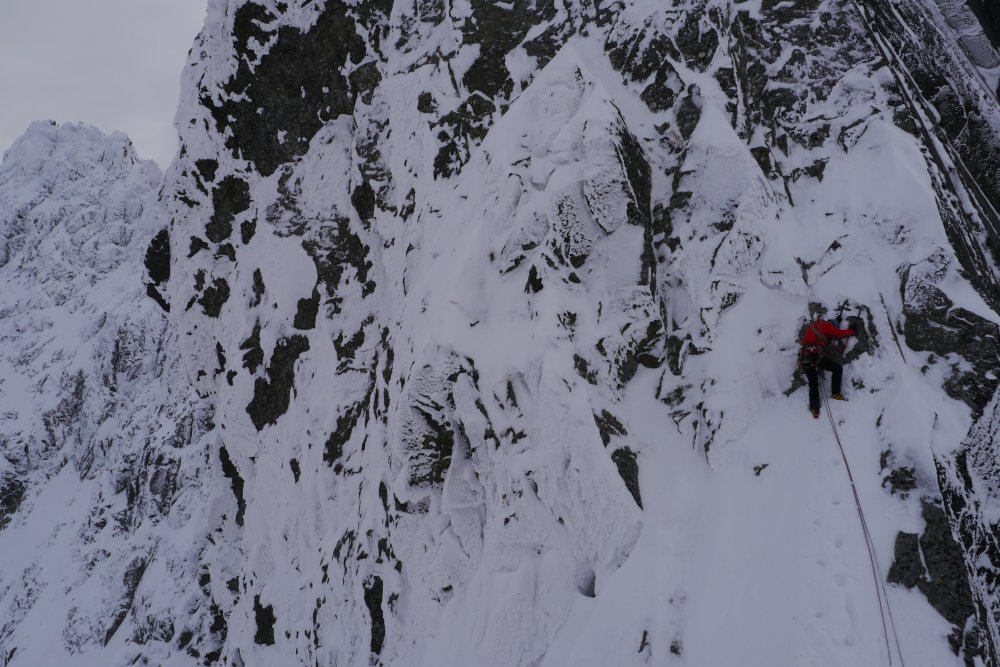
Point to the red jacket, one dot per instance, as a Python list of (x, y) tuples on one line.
[(814, 344)]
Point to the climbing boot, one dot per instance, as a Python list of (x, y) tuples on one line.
[(815, 413), (838, 397)]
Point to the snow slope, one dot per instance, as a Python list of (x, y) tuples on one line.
[(480, 321)]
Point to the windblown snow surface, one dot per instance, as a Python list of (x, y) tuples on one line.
[(465, 333)]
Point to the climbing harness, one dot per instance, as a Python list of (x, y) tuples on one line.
[(872, 555), (814, 351)]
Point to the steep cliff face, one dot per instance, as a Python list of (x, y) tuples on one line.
[(478, 323), (488, 267)]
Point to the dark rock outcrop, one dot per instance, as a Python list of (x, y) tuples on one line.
[(272, 396), (934, 324), (300, 83), (933, 562)]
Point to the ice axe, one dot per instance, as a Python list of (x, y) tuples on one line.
[(840, 311)]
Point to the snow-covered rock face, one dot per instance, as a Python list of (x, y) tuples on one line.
[(481, 340), (72, 203), (97, 426), (465, 278)]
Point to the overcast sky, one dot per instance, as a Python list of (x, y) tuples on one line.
[(115, 64)]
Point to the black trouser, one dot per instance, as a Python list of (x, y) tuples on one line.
[(811, 365)]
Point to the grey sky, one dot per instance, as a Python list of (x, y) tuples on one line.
[(115, 64)]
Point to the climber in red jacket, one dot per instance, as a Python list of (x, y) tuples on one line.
[(814, 342)]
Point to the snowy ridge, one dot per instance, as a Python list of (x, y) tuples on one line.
[(97, 421), (480, 348)]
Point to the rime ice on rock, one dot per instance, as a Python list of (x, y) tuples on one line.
[(101, 470)]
